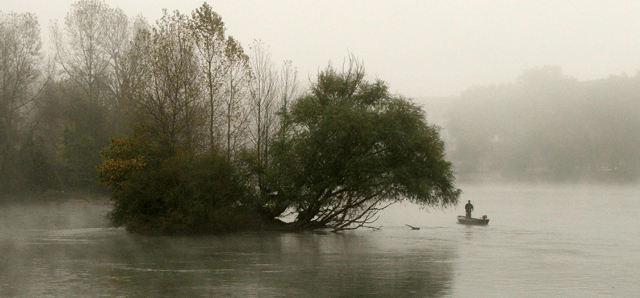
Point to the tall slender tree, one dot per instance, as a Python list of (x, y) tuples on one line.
[(116, 44), (288, 92), (130, 75), (208, 31), (167, 98), (263, 105), (236, 79)]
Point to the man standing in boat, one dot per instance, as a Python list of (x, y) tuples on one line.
[(468, 207)]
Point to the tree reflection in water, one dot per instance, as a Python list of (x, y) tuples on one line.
[(100, 261)]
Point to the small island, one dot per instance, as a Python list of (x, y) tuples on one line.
[(191, 132), (331, 158)]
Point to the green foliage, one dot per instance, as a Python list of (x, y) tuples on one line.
[(83, 137), (169, 176), (352, 148), (38, 173), (200, 157), (179, 194)]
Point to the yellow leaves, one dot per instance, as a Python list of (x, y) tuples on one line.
[(120, 148), (121, 158), (113, 172)]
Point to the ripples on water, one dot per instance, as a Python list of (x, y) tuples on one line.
[(541, 242)]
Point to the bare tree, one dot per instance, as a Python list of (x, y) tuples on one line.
[(79, 46), (116, 44), (208, 31), (130, 70), (263, 105), (237, 75), (288, 92), (19, 70), (90, 48), (167, 96)]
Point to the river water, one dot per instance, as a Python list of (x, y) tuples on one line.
[(569, 241)]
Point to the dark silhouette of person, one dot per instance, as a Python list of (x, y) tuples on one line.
[(468, 207)]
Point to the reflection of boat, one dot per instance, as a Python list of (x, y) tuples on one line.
[(473, 221)]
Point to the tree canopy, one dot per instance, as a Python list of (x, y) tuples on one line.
[(199, 135), (350, 148), (346, 150)]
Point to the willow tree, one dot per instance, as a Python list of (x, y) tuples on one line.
[(351, 149)]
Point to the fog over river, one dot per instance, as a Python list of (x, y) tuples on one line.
[(542, 241)]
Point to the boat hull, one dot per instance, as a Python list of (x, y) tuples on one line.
[(473, 221)]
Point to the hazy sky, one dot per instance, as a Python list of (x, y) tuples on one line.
[(421, 48)]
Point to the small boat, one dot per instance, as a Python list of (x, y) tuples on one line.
[(473, 221)]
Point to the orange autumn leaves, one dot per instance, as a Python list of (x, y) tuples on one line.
[(121, 159)]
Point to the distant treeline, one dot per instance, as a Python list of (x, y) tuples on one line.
[(548, 127)]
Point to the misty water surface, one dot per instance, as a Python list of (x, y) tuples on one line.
[(541, 242)]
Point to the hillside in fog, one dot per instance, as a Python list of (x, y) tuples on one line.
[(547, 127)]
